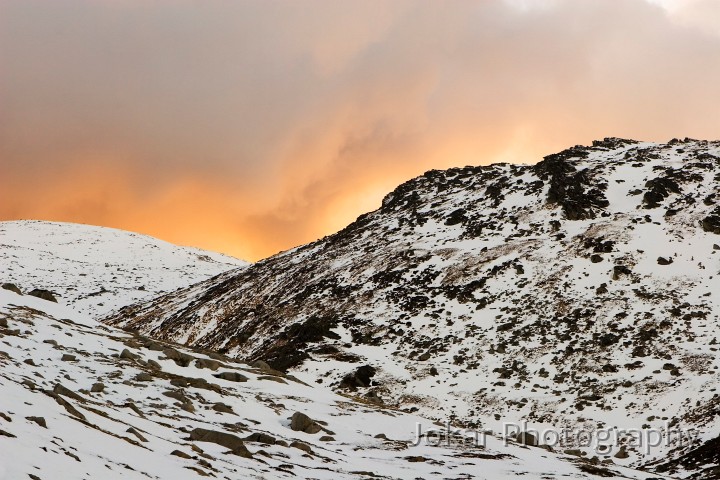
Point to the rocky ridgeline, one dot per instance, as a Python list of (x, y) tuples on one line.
[(582, 290)]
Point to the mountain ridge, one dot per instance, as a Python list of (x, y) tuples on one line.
[(560, 292)]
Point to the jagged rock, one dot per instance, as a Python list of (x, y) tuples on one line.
[(128, 355), (67, 406), (416, 459), (39, 420), (222, 408), (711, 223), (574, 452), (185, 382), (301, 446), (622, 453), (664, 261), (361, 377), (227, 440), (12, 287), (137, 434), (43, 294), (98, 387), (207, 363), (526, 438), (180, 358), (154, 365), (300, 422), (619, 270), (260, 437), (181, 454), (231, 376)]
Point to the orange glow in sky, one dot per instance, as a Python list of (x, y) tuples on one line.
[(252, 127)]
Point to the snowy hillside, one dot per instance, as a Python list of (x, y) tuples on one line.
[(97, 269), (79, 400), (579, 291)]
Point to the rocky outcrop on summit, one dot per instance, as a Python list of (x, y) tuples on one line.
[(506, 291)]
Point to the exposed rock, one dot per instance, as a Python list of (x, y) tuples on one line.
[(231, 376), (227, 440), (98, 387), (137, 434), (222, 408), (43, 294), (207, 363), (39, 420), (180, 358), (66, 392), (361, 377), (181, 454), (128, 355), (260, 437), (622, 453), (12, 287), (526, 438), (301, 446), (300, 422)]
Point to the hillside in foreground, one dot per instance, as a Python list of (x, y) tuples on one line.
[(79, 400)]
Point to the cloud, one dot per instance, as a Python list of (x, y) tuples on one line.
[(251, 127)]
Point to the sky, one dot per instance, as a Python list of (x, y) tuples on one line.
[(250, 127)]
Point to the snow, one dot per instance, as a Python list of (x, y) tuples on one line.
[(97, 269), (509, 343), (102, 446)]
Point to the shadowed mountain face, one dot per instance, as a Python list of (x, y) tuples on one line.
[(581, 290)]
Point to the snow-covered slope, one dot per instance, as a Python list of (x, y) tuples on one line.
[(580, 291), (79, 400), (97, 269)]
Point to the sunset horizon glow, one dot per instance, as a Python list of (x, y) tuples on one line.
[(249, 128)]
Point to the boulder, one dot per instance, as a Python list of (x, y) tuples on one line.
[(231, 376), (227, 440), (361, 377), (222, 408), (300, 422), (260, 437), (526, 438), (39, 420), (301, 446), (128, 355), (180, 454), (207, 363), (43, 294), (12, 287)]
